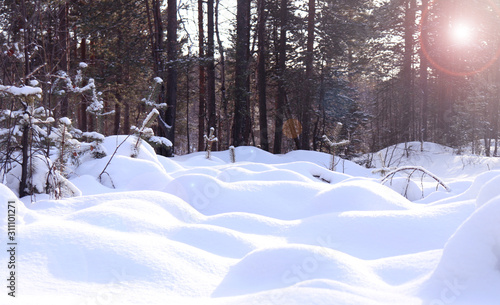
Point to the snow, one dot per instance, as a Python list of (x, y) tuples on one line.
[(24, 90), (267, 229), (65, 121)]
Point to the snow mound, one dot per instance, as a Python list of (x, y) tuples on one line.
[(7, 197), (278, 199), (358, 195), (488, 189), (469, 268), (145, 172), (268, 229), (274, 268), (406, 187)]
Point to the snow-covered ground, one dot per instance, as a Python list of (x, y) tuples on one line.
[(267, 229)]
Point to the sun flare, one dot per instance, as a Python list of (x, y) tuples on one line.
[(461, 33)]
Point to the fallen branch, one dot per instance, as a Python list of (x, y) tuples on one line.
[(414, 169)]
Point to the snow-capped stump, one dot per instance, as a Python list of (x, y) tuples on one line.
[(209, 141)]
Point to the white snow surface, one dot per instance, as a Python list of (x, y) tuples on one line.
[(24, 90), (268, 229)]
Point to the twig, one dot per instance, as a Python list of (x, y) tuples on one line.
[(111, 158), (414, 169)]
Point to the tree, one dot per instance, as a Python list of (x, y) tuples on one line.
[(171, 73), (308, 97), (201, 78), (241, 124), (261, 74), (281, 67), (212, 115)]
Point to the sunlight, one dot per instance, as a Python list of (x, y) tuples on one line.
[(461, 33)]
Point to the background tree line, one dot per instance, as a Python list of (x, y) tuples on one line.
[(279, 74)]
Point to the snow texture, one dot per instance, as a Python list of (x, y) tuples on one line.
[(24, 90), (267, 229)]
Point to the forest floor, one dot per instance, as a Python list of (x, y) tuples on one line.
[(268, 229)]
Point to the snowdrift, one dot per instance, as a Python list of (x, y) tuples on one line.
[(267, 229)]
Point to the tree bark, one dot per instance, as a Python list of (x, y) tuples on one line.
[(171, 73), (280, 102), (212, 116), (241, 132), (118, 114), (424, 64), (201, 79), (407, 118), (222, 79), (83, 101), (64, 51), (126, 118), (25, 144), (261, 74), (308, 100)]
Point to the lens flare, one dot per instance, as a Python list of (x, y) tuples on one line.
[(462, 33), (461, 48)]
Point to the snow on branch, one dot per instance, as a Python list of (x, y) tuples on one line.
[(334, 144), (153, 95), (24, 90)]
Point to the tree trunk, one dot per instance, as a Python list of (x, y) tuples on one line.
[(64, 50), (407, 71), (25, 144), (278, 131), (83, 101), (118, 114), (424, 64), (241, 107), (222, 78), (212, 116), (188, 101), (261, 74), (308, 100), (126, 119), (171, 73), (201, 79)]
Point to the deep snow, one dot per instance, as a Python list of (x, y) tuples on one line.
[(267, 229)]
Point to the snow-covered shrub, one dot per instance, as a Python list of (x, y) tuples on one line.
[(36, 152), (209, 140), (335, 143), (45, 178), (145, 132)]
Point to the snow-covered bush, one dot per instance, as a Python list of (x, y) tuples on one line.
[(145, 132), (36, 152)]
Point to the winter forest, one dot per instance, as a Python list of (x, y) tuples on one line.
[(250, 151), (274, 74)]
